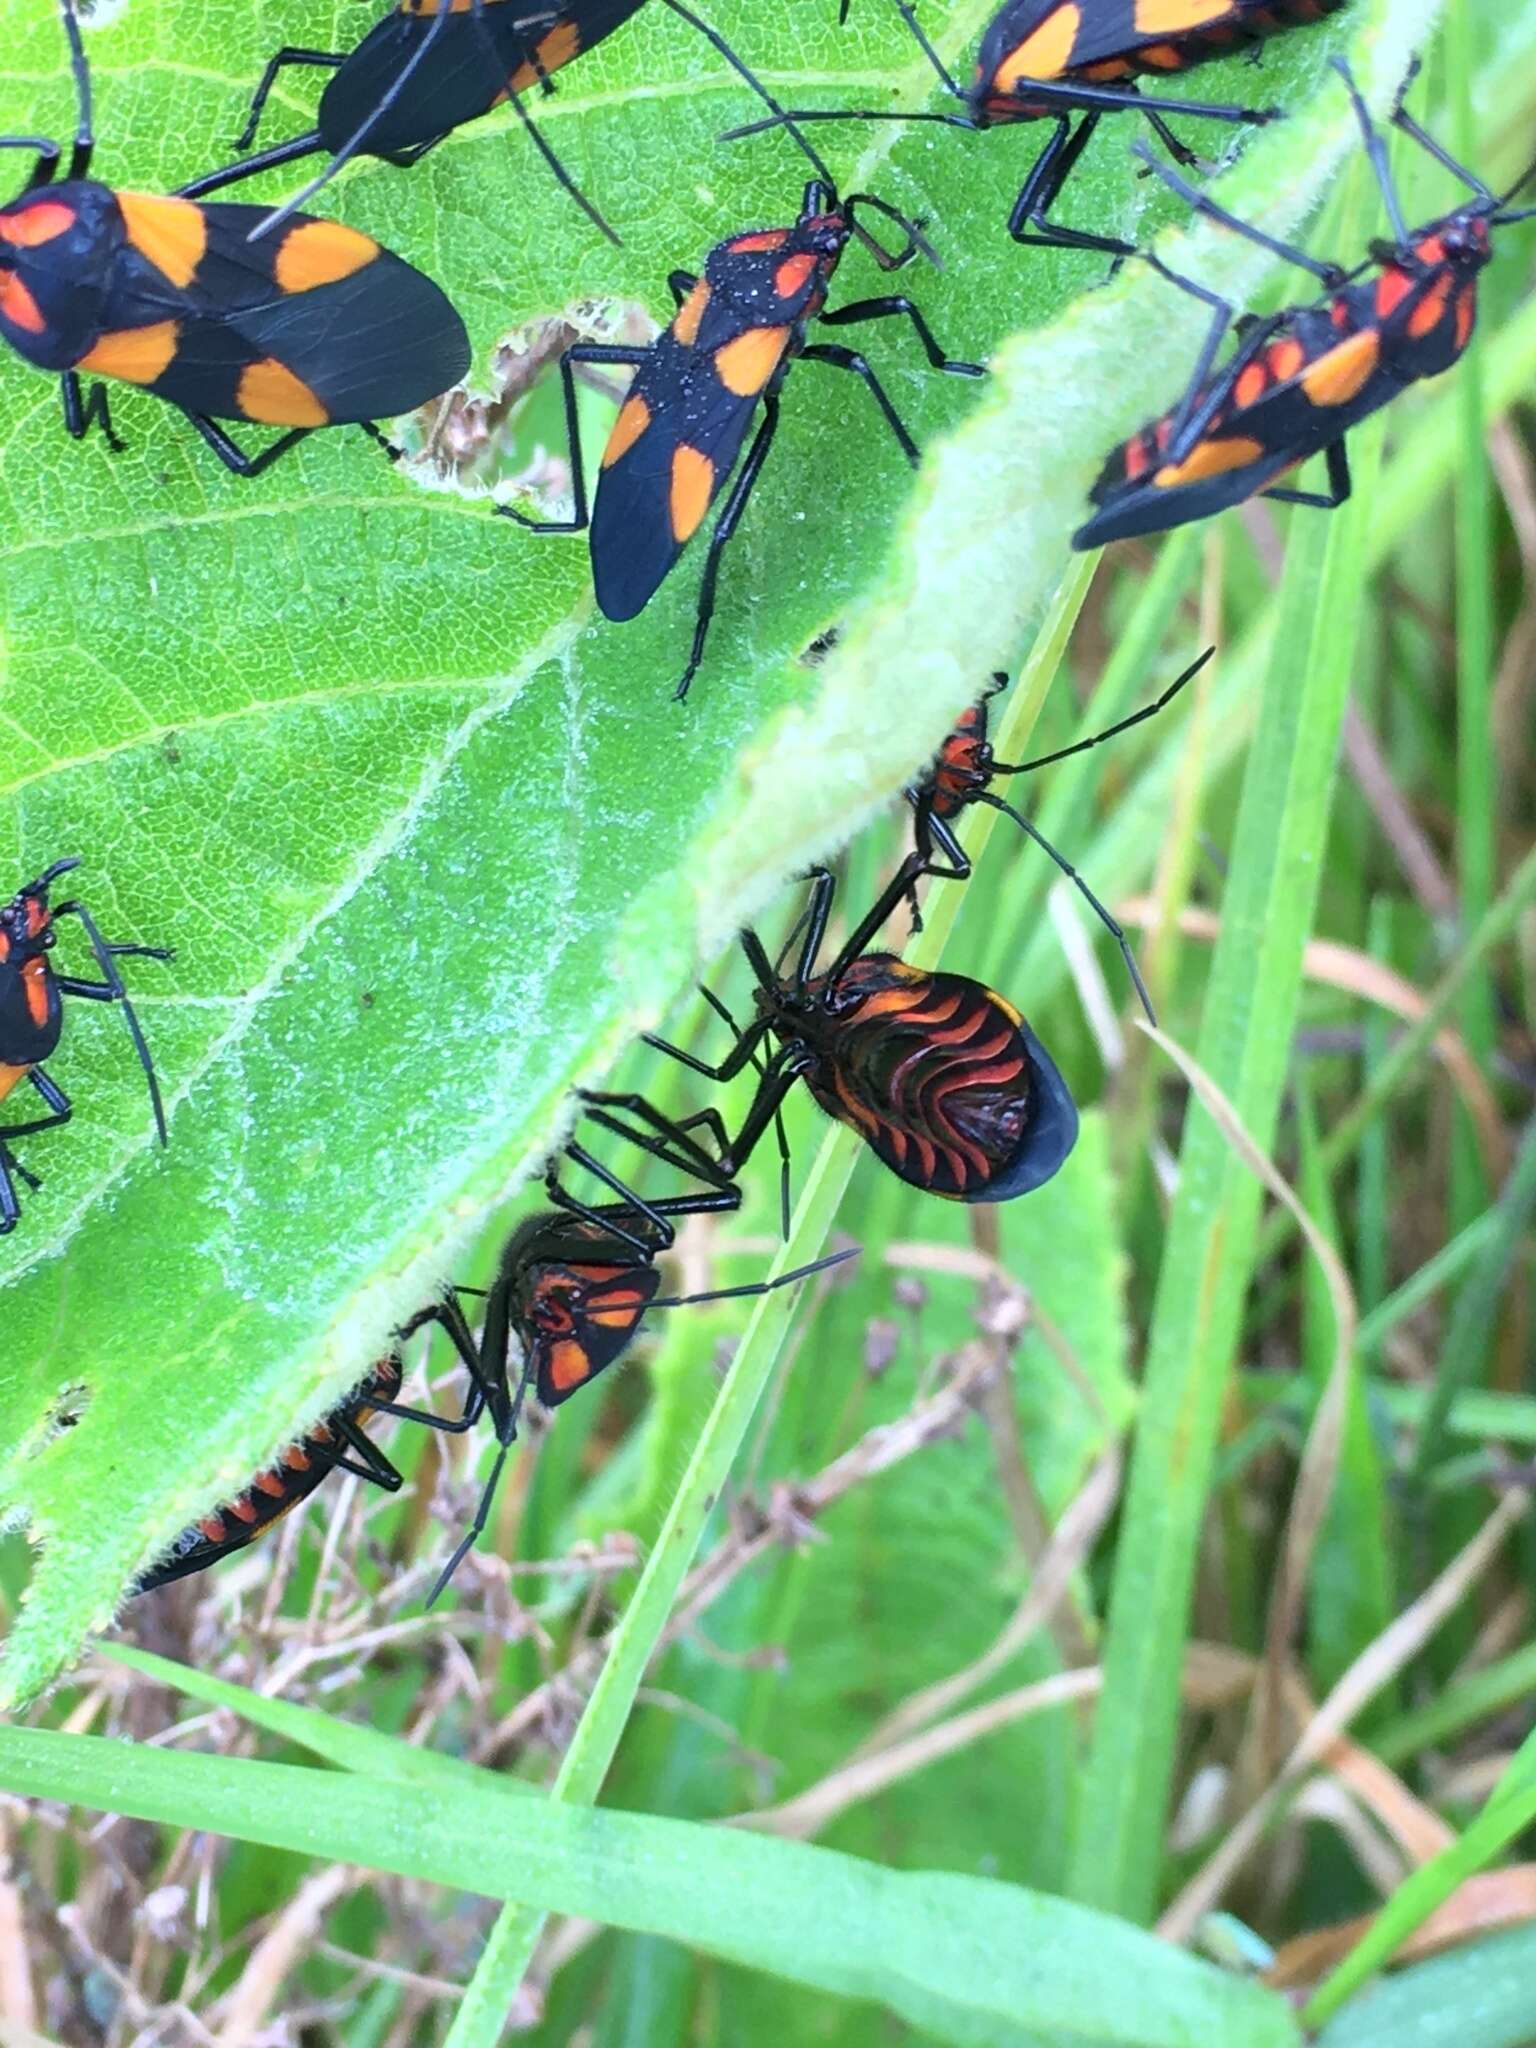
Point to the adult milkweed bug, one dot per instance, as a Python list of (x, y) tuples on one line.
[(962, 774), (429, 66), (336, 1443), (32, 1013), (940, 1076), (318, 327), (736, 333), (1300, 378), (1053, 60)]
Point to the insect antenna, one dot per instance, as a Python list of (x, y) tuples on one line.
[(755, 1287)]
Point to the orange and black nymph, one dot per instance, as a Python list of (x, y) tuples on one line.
[(32, 1014), (316, 326), (337, 1443), (963, 772), (697, 388), (940, 1075), (1300, 378)]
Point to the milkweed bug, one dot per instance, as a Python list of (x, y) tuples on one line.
[(1051, 60), (427, 68), (674, 446), (1300, 378), (336, 1443), (940, 1076), (962, 774), (318, 327), (32, 1013), (573, 1291)]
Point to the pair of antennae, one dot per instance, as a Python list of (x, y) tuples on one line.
[(508, 1435)]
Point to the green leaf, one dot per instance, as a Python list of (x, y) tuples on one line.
[(1475, 1997), (974, 1962), (431, 842)]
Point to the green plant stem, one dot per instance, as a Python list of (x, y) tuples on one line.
[(1255, 985), (1416, 1041)]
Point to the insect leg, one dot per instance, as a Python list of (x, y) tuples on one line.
[(324, 60), (895, 305), (580, 352), (839, 358), (1339, 483), (81, 413)]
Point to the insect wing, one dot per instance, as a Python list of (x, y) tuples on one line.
[(313, 327), (1317, 377), (671, 451)]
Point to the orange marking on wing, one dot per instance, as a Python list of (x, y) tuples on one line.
[(1430, 311), (1392, 287), (685, 328), (1251, 384), (138, 355), (1045, 52), (1286, 359), (745, 364), (569, 1365), (34, 981), (769, 238), (558, 48), (634, 417), (1173, 17), (1340, 375), (1210, 458), (270, 393), (320, 252), (171, 233), (41, 222), (1135, 460), (1466, 314), (1162, 57), (18, 305), (9, 1077), (617, 1318), (793, 274), (693, 486)]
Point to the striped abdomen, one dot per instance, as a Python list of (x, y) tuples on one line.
[(932, 1070)]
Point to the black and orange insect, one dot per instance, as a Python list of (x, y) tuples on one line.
[(1073, 61), (572, 1290), (32, 1013), (1301, 377), (939, 1074), (736, 334), (320, 326), (337, 1443), (428, 67), (573, 1284), (962, 774)]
